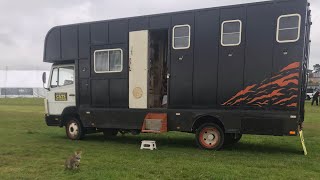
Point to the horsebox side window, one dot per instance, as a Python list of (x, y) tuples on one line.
[(231, 33), (288, 28), (181, 37), (108, 60)]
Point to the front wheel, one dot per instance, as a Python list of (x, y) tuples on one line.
[(74, 129), (210, 136)]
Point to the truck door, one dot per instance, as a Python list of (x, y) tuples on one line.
[(62, 89), (138, 69), (181, 63)]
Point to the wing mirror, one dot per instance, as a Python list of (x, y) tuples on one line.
[(44, 80), (44, 77)]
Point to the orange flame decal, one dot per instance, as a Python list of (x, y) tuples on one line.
[(279, 90)]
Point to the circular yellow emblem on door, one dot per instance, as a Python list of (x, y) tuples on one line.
[(137, 92)]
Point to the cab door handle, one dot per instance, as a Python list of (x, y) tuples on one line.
[(72, 95)]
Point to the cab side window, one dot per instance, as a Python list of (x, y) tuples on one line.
[(62, 76)]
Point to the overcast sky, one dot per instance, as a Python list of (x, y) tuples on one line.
[(24, 24)]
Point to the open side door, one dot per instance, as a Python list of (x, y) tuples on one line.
[(138, 69)]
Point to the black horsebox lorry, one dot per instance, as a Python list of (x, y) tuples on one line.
[(216, 72)]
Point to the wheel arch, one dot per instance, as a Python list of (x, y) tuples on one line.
[(202, 119), (70, 111)]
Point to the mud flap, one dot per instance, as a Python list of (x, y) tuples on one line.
[(302, 142)]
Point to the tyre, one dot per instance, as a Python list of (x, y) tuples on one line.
[(107, 133), (210, 136), (231, 139), (74, 129)]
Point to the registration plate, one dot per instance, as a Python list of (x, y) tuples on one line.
[(60, 96)]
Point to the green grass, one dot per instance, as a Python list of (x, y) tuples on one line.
[(31, 150)]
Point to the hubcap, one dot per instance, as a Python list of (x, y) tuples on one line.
[(209, 137), (73, 129)]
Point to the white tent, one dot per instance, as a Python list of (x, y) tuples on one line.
[(21, 83)]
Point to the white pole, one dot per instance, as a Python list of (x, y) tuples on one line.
[(5, 81)]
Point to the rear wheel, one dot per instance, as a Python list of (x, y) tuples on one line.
[(210, 136), (74, 129)]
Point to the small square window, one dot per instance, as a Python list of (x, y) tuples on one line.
[(108, 60), (181, 37), (231, 33), (288, 28)]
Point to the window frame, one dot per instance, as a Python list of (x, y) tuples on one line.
[(54, 86), (240, 32), (278, 30), (189, 36), (107, 50)]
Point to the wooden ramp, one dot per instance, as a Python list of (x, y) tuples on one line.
[(155, 123)]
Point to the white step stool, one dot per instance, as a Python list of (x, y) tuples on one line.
[(148, 145)]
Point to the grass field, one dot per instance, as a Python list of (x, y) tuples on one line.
[(31, 150)]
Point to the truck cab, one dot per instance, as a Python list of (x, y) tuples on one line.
[(61, 92)]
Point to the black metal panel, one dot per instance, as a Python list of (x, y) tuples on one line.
[(119, 118), (181, 69), (262, 125), (182, 122), (84, 68), (118, 32), (84, 41), (206, 58), (99, 33), (119, 95), (285, 54), (295, 49), (138, 23), (100, 92), (84, 92), (260, 30), (231, 58), (118, 87), (52, 48), (160, 22), (69, 42)]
